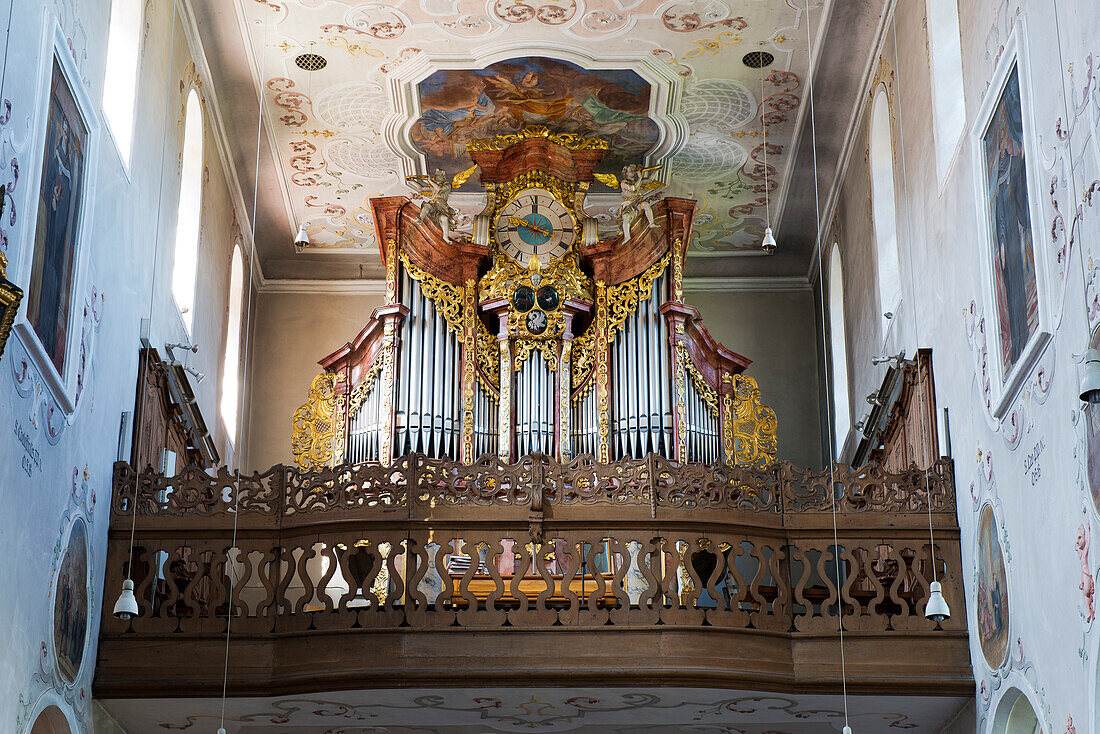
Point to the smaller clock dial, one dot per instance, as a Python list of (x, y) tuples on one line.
[(534, 223)]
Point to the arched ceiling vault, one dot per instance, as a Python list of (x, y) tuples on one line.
[(405, 85)]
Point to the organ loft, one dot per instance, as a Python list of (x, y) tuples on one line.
[(534, 335)]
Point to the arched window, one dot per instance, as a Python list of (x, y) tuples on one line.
[(50, 721), (883, 209), (948, 105), (1015, 715), (838, 351), (120, 81), (231, 363), (189, 214)]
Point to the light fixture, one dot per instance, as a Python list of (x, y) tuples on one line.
[(936, 609), (768, 245), (126, 608), (302, 239), (847, 730), (1090, 381)]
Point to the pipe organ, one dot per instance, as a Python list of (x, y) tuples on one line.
[(533, 335)]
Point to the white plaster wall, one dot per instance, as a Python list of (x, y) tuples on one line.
[(128, 267), (1053, 647)]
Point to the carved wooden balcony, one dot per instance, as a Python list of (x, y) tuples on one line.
[(431, 572)]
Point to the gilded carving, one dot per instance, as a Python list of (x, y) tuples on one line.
[(447, 297), (504, 404), (388, 357), (391, 271), (318, 426), (753, 425), (622, 299), (678, 270), (680, 380), (366, 385), (488, 358), (564, 409), (524, 347), (602, 374), (572, 141), (469, 368), (706, 392)]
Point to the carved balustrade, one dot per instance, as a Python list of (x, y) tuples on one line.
[(438, 547)]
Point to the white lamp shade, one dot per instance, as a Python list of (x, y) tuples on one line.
[(302, 238), (126, 607), (936, 609), (1090, 380), (768, 245)]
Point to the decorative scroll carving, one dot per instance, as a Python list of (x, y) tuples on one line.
[(622, 299), (602, 374), (678, 270), (548, 347), (754, 424), (504, 404), (391, 271), (469, 367), (571, 141), (370, 490), (706, 392), (389, 359), (680, 396), (447, 297), (488, 358), (317, 434), (564, 406), (366, 385)]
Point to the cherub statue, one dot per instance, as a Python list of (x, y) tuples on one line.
[(639, 191), (437, 190)]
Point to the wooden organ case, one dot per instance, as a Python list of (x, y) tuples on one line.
[(533, 336)]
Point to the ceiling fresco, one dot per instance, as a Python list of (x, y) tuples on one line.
[(577, 710), (407, 84)]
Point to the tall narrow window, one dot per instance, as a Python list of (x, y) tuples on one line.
[(231, 363), (948, 105), (883, 209), (185, 266), (120, 82), (838, 352)]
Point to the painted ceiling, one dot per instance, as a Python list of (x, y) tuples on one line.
[(407, 84), (581, 711)]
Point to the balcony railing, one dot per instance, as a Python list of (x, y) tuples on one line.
[(431, 572)]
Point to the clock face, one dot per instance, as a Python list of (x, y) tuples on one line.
[(534, 223)]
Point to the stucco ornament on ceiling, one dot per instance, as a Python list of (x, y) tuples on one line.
[(664, 81)]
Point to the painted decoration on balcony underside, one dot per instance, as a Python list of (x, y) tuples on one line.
[(461, 105), (59, 203), (1014, 277), (70, 608), (992, 591)]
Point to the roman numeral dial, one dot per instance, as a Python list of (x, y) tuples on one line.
[(534, 223)]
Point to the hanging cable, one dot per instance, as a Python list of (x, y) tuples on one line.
[(825, 353), (244, 369), (916, 311), (126, 605)]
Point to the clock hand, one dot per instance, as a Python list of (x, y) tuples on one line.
[(517, 222)]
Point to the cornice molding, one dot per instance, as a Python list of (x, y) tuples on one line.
[(377, 287)]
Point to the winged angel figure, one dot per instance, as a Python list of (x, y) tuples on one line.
[(436, 190), (639, 191)]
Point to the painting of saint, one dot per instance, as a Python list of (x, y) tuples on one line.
[(70, 606), (1014, 280), (49, 291), (461, 105), (992, 591)]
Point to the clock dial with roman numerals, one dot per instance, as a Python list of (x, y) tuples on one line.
[(534, 223)]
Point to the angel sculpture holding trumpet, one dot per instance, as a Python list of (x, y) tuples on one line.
[(436, 190), (639, 191)]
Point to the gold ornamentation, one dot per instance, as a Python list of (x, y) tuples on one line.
[(524, 347), (583, 360), (602, 376), (460, 178), (366, 385), (753, 424), (622, 299), (391, 271), (381, 586), (504, 404), (314, 440), (10, 296), (447, 297), (727, 426), (570, 141), (706, 392), (563, 273), (488, 358), (469, 368), (680, 375), (564, 407), (389, 357), (678, 270)]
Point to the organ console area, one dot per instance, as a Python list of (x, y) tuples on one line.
[(533, 335)]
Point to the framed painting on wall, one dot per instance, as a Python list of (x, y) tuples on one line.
[(53, 252), (1014, 272)]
